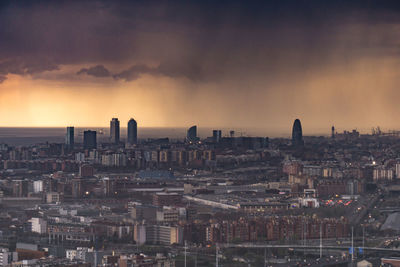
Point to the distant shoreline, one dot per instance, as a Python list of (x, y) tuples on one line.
[(32, 135)]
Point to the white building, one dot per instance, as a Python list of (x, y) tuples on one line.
[(6, 257), (106, 160), (139, 234), (382, 173), (77, 254), (309, 202), (165, 235), (114, 160), (70, 254), (94, 156), (38, 186), (53, 197), (119, 159), (80, 157), (171, 214), (38, 225)]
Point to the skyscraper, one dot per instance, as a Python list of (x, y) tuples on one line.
[(69, 137), (297, 134), (132, 132), (192, 134), (114, 130), (90, 139), (333, 132), (217, 134)]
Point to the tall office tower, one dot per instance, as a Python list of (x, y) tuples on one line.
[(297, 134), (90, 139), (114, 130), (69, 137), (333, 132), (192, 134), (217, 134), (132, 132)]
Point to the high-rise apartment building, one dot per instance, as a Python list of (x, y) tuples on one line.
[(90, 139), (192, 134), (114, 130), (69, 137), (132, 132)]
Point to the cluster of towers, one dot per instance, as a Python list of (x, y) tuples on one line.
[(297, 134), (90, 137), (192, 137), (115, 131)]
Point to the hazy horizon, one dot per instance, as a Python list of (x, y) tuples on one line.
[(235, 64), (171, 132)]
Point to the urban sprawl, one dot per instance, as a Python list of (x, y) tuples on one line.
[(224, 200)]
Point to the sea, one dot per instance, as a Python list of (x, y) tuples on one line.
[(20, 136)]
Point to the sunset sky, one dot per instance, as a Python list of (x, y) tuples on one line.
[(211, 63)]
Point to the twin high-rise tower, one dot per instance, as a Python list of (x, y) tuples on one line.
[(115, 131), (90, 137), (132, 132), (91, 142)]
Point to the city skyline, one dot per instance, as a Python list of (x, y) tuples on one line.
[(241, 65), (284, 132), (199, 133)]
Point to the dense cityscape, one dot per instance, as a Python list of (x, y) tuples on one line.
[(223, 200), (199, 133)]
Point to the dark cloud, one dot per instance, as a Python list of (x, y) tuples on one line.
[(200, 41), (23, 66), (134, 72), (230, 62), (193, 73), (96, 71)]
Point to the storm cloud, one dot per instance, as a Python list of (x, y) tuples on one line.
[(246, 63), (204, 41), (193, 73), (23, 66), (96, 71)]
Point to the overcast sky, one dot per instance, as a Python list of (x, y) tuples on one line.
[(211, 63)]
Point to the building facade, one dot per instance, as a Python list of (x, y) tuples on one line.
[(132, 132)]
